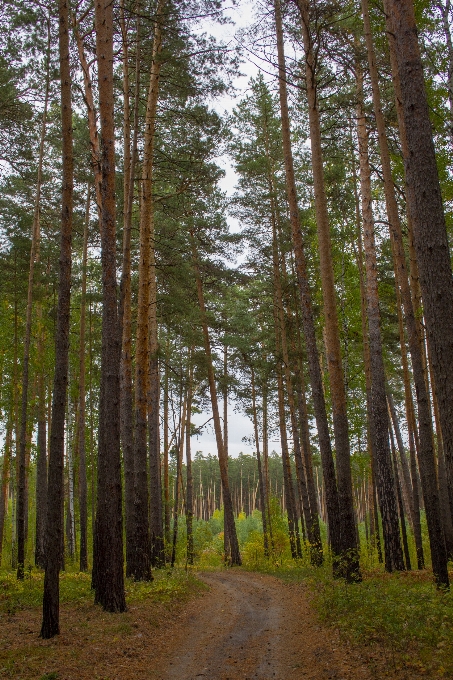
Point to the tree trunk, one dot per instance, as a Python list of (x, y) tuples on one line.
[(70, 525), (332, 498), (426, 450), (83, 492), (22, 506), (332, 337), (223, 460), (125, 307), (379, 412), (108, 577), (189, 484), (54, 521), (139, 566), (400, 500), (6, 469), (263, 496)]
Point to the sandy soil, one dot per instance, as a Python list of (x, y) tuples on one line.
[(245, 625)]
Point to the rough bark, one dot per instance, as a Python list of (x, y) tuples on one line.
[(54, 521), (108, 577), (125, 306), (140, 562), (427, 218)]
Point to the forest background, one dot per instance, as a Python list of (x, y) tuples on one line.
[(305, 297)]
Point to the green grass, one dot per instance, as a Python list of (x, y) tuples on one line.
[(75, 588), (402, 616)]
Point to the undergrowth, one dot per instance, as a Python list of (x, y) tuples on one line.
[(75, 589)]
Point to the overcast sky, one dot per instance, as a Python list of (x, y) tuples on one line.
[(239, 425)]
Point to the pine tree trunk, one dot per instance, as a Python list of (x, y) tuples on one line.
[(140, 565), (156, 518), (166, 455), (54, 520), (223, 460), (410, 129), (6, 471), (108, 577), (400, 500), (83, 491), (379, 413), (350, 564), (332, 498), (189, 484), (22, 506), (125, 307), (264, 502)]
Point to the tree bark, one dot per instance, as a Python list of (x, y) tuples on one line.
[(54, 522), (379, 412), (83, 491), (125, 307), (108, 577), (189, 483), (6, 471), (332, 337), (332, 498), (432, 252)]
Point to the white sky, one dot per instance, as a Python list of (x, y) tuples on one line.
[(239, 425)]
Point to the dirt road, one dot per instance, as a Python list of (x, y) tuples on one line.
[(254, 626), (245, 625)]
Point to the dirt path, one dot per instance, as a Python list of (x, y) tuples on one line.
[(245, 625), (254, 626)]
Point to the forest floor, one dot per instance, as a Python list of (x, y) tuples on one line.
[(239, 625)]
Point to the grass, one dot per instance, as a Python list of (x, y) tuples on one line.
[(401, 618), (92, 642), (75, 589)]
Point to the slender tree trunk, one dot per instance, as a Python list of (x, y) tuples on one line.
[(140, 563), (108, 577), (189, 484), (379, 413), (83, 491), (332, 498), (166, 454), (426, 450), (22, 507), (263, 495), (223, 460), (54, 521), (400, 500), (125, 309), (282, 344), (178, 481), (6, 471), (70, 525), (332, 337)]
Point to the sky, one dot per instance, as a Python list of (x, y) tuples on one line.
[(239, 425)]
